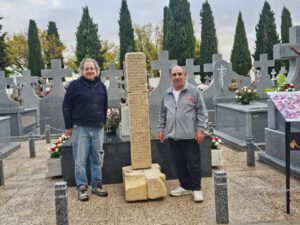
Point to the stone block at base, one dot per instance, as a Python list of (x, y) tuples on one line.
[(144, 184)]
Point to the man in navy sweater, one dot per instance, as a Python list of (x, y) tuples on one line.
[(85, 109)]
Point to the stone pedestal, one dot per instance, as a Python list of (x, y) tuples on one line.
[(144, 184), (241, 121)]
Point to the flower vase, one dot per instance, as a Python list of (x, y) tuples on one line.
[(111, 132), (245, 103), (54, 167), (216, 157)]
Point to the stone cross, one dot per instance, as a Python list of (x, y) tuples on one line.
[(29, 97), (285, 52), (5, 101), (222, 72), (207, 79), (209, 67), (191, 69), (114, 91), (4, 81), (27, 79), (264, 64), (56, 73), (164, 65), (283, 70), (273, 73)]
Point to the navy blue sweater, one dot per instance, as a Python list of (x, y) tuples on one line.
[(85, 103)]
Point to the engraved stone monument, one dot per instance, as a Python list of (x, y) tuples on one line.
[(143, 180)]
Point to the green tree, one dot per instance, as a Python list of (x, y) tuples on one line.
[(165, 26), (35, 60), (286, 23), (4, 59), (240, 54), (147, 40), (18, 52), (126, 33), (266, 35), (53, 47), (197, 51), (88, 41), (209, 41), (180, 40)]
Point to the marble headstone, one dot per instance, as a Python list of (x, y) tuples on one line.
[(51, 105), (163, 65), (114, 91)]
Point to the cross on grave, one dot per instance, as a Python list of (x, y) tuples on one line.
[(5, 100), (4, 81), (209, 67), (191, 69), (264, 64), (286, 52), (207, 79), (283, 70), (27, 79), (273, 73), (164, 65), (113, 91), (222, 71), (56, 74)]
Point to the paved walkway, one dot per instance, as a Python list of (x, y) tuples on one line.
[(254, 197)]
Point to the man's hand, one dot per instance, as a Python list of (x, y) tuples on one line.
[(69, 132), (199, 136), (161, 136)]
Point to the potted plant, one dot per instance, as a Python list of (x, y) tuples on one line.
[(54, 162), (112, 121), (246, 95)]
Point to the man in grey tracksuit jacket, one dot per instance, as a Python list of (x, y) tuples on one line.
[(182, 120)]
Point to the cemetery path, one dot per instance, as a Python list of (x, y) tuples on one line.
[(255, 196)]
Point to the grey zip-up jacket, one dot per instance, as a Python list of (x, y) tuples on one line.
[(181, 121)]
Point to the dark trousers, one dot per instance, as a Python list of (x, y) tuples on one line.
[(186, 157)]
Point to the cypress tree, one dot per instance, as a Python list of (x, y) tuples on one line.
[(4, 61), (126, 33), (209, 41), (286, 23), (240, 54), (266, 35), (180, 40), (165, 26), (88, 41), (35, 60), (55, 46)]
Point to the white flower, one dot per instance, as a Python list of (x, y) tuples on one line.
[(249, 90)]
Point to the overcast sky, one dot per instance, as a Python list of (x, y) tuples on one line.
[(67, 14)]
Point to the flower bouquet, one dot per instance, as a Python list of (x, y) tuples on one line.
[(112, 121), (246, 95), (215, 141), (55, 148), (286, 87)]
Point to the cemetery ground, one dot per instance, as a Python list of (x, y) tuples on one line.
[(255, 196)]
